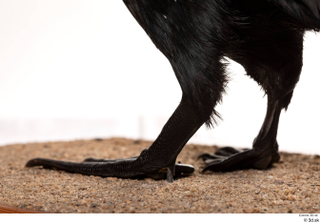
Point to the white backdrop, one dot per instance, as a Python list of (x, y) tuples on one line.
[(72, 69)]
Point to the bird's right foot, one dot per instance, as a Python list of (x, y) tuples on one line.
[(229, 158)]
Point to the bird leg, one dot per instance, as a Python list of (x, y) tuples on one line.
[(263, 153), (158, 161)]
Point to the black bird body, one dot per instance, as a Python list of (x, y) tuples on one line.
[(264, 36), (195, 35)]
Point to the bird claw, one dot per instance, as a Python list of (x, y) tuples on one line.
[(105, 168), (174, 171), (228, 158)]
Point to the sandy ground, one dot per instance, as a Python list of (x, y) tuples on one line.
[(291, 186)]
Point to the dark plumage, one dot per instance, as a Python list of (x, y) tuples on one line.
[(264, 36)]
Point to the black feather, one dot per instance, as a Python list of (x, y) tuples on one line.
[(264, 36), (307, 11)]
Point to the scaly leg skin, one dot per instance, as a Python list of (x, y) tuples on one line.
[(263, 154), (179, 169), (157, 162)]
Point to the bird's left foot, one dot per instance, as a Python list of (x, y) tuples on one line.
[(133, 167), (176, 171), (228, 158)]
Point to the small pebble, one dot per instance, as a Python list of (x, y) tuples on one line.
[(288, 187)]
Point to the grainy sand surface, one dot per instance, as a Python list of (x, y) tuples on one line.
[(291, 186)]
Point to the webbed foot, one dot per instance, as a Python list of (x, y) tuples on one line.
[(176, 170), (265, 147), (132, 167), (158, 161), (228, 158)]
